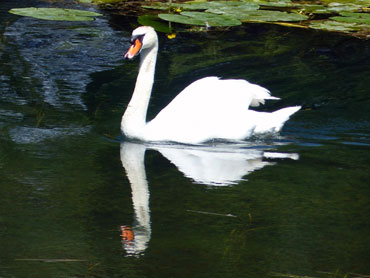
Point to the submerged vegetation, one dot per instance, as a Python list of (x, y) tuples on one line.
[(346, 16)]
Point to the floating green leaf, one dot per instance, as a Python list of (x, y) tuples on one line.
[(271, 16), (167, 6), (158, 6), (363, 3), (201, 18), (235, 10), (330, 9), (216, 5), (55, 14), (353, 18), (272, 3), (177, 18), (213, 19), (331, 25), (340, 7), (222, 5)]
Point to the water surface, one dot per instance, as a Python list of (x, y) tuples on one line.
[(79, 201)]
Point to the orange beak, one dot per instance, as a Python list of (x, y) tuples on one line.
[(134, 49), (127, 234)]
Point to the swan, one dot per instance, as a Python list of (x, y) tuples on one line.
[(209, 108)]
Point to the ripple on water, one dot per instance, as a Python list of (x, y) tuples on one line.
[(27, 135), (54, 59)]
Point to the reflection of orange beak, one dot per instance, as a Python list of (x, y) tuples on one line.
[(133, 50), (127, 234)]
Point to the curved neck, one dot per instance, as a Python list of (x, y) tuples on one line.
[(134, 118)]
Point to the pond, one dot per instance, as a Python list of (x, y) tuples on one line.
[(77, 200)]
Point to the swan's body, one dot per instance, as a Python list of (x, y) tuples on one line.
[(209, 108)]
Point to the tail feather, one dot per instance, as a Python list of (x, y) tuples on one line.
[(273, 122), (287, 112), (283, 115), (260, 94)]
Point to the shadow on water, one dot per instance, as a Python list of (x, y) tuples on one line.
[(70, 209)]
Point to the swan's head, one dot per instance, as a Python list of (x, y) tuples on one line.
[(143, 37)]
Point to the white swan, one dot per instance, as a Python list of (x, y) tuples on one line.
[(209, 108)]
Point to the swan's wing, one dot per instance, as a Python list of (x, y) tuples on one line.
[(230, 90), (210, 103), (211, 94)]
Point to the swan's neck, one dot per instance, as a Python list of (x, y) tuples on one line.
[(134, 119)]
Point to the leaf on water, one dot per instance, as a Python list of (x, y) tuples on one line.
[(201, 18), (339, 7), (213, 19), (266, 3), (223, 5), (236, 11), (272, 3), (336, 26), (177, 18), (330, 9), (363, 3), (167, 6), (188, 6), (353, 18), (271, 16), (158, 6), (55, 14)]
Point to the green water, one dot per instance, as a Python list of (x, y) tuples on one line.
[(292, 206)]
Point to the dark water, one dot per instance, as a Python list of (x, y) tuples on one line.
[(73, 193)]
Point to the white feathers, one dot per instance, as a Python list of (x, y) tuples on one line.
[(209, 108)]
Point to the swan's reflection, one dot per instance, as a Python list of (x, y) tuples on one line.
[(132, 157), (212, 165)]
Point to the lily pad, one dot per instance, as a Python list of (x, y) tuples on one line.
[(363, 3), (353, 18), (341, 7), (201, 19), (55, 14), (271, 16), (330, 9), (331, 25), (272, 3), (222, 4), (158, 6), (177, 18), (204, 5), (235, 10)]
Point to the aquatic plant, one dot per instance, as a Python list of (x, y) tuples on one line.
[(350, 17), (55, 14)]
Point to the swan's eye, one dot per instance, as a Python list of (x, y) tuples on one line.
[(137, 38)]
